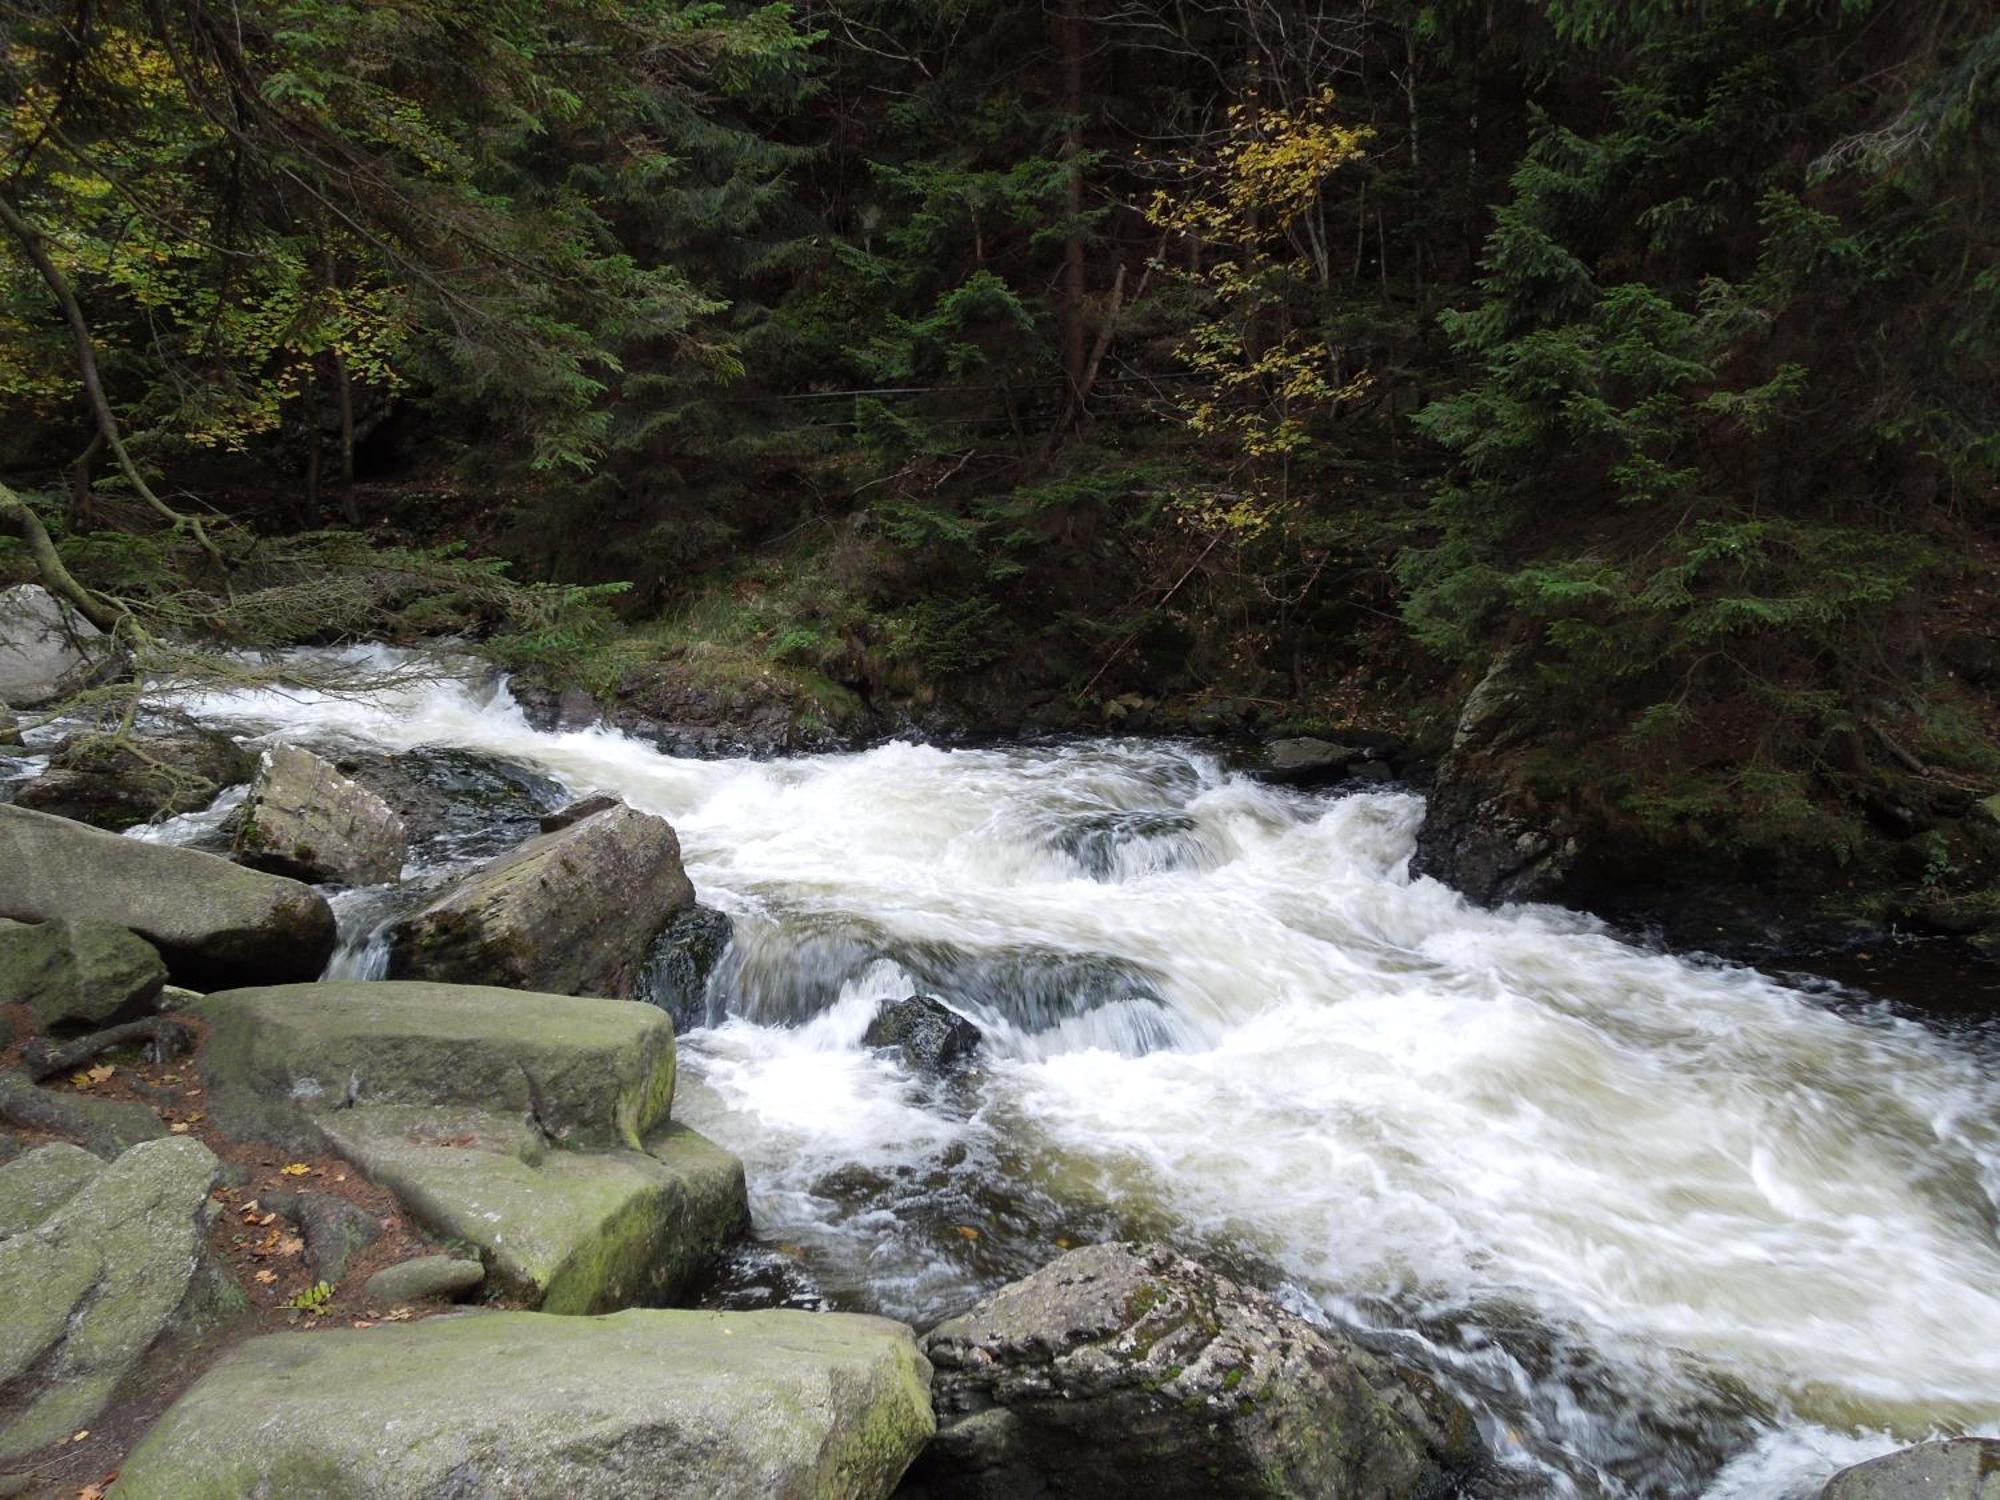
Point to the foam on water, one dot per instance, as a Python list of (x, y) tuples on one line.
[(1672, 1227)]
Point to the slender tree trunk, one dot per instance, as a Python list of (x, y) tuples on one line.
[(82, 510), (17, 516), (313, 446), (1071, 26)]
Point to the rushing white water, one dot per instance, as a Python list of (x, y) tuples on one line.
[(1674, 1229)]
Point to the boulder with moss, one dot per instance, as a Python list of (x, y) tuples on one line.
[(573, 912), (304, 819), (1130, 1371), (78, 972), (212, 921), (116, 783), (1955, 1469)]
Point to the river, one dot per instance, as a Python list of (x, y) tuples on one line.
[(1673, 1228)]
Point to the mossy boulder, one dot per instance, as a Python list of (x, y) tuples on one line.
[(426, 1278), (84, 972), (87, 1294), (109, 783), (573, 912), (565, 1231), (1957, 1469), (304, 819), (34, 1185), (701, 1405), (281, 1058), (103, 1127), (212, 921), (1130, 1371)]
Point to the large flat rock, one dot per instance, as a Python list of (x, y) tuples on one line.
[(701, 1405), (567, 1231), (214, 922), (281, 1059), (574, 912)]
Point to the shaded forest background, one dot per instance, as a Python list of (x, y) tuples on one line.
[(1210, 364)]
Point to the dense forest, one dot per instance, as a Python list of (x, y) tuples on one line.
[(1284, 364)]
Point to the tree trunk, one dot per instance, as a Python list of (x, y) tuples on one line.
[(1071, 27), (81, 513)]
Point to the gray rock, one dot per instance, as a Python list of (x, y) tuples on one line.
[(10, 729), (428, 1278), (334, 1229), (37, 1183), (306, 820), (1957, 1469), (89, 1292), (932, 1037), (684, 955), (1307, 762), (577, 811), (1130, 1371), (213, 921), (78, 971), (107, 784), (572, 912), (47, 650), (103, 1127), (672, 1405)]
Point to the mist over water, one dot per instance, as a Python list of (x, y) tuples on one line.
[(1673, 1229)]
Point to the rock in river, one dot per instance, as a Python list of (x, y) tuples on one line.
[(306, 820), (672, 1405), (1958, 1469), (1130, 1371), (109, 784), (46, 648), (214, 922), (572, 912), (931, 1036)]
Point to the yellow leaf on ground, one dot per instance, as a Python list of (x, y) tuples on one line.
[(290, 1245), (79, 1435), (265, 1278), (966, 1231), (180, 1127), (295, 1169)]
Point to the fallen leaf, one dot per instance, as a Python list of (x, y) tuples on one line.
[(967, 1232), (295, 1169), (268, 1218), (289, 1245), (91, 1492), (265, 1278), (1062, 1244), (398, 1315), (362, 1323), (180, 1127), (79, 1435)]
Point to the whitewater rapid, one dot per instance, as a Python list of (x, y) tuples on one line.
[(1673, 1228)]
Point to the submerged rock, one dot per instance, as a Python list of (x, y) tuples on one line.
[(111, 785), (306, 820), (930, 1035), (78, 971), (687, 951), (89, 1292), (1957, 1469), (701, 1405), (213, 921), (572, 912), (1130, 1371), (47, 650)]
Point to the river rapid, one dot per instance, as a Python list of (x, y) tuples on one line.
[(1672, 1228)]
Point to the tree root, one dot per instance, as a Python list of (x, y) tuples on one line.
[(44, 1059)]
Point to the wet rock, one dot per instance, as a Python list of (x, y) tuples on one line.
[(103, 1127), (10, 730), (687, 951), (108, 784), (213, 921), (306, 820), (676, 1405), (1130, 1371), (47, 650), (334, 1229), (577, 811), (37, 1183), (428, 1278), (81, 972), (86, 1294), (280, 1060), (572, 912), (1305, 761), (931, 1036), (1957, 1469), (455, 804)]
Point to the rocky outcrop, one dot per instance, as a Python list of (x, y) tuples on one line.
[(687, 951), (675, 1405), (428, 1278), (306, 820), (931, 1036), (571, 913), (76, 972), (214, 922), (1958, 1469), (1130, 1371), (534, 1127), (103, 1127), (112, 784), (47, 650), (34, 1185), (1485, 833), (100, 1283)]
